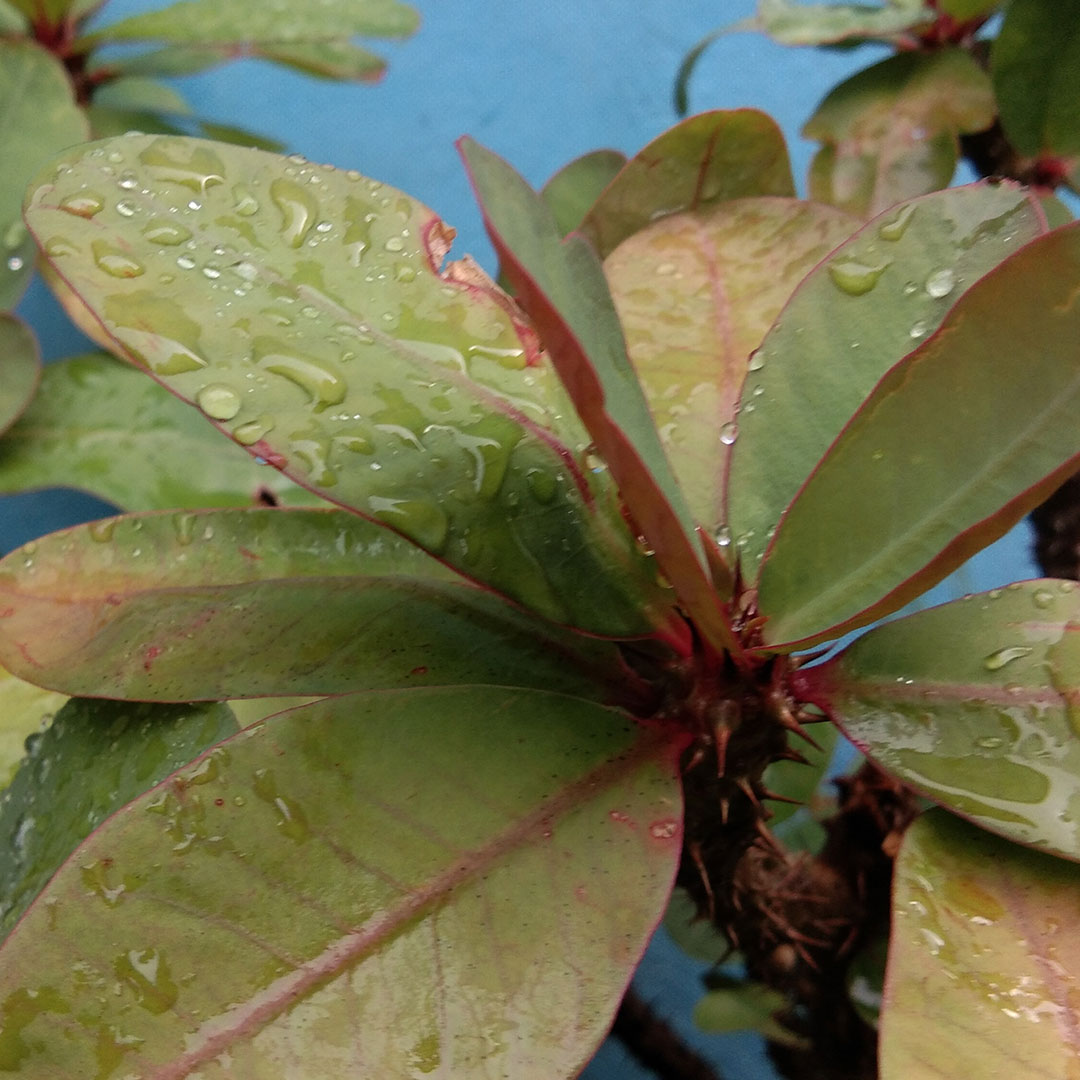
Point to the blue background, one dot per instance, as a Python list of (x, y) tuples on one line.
[(541, 83)]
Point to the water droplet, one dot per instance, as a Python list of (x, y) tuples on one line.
[(245, 204), (421, 521), (14, 264), (114, 261), (666, 269), (1042, 598), (664, 830), (185, 262), (394, 244), (127, 180), (756, 362), (990, 742), (542, 484), (147, 973), (894, 229), (918, 330), (249, 433), (911, 288), (85, 204), (997, 660), (102, 531), (318, 378), (218, 401), (211, 272), (729, 433), (186, 162), (291, 820), (165, 233), (298, 209), (940, 283), (126, 208), (184, 524), (58, 246), (854, 277), (723, 536)]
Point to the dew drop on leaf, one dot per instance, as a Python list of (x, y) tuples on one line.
[(115, 262), (218, 401), (854, 277), (1042, 598), (728, 433), (894, 229), (997, 660), (940, 283), (85, 204)]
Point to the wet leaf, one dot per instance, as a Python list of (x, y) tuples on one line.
[(326, 59), (573, 190), (241, 603), (696, 292), (952, 448), (38, 118), (105, 428), (517, 853), (850, 321), (20, 369), (984, 961), (561, 284), (709, 158), (303, 310), (25, 710), (1035, 63), (94, 757), (975, 704), (109, 123), (792, 23), (890, 131), (238, 23)]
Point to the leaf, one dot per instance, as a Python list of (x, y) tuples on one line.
[(574, 189), (696, 292), (984, 959), (12, 20), (169, 61), (797, 781), (20, 370), (890, 131), (306, 312), (327, 59), (137, 92), (25, 710), (793, 23), (38, 118), (243, 603), (561, 284), (968, 9), (1035, 64), (239, 136), (975, 704), (952, 448), (109, 123), (55, 801), (744, 1006), (709, 158), (237, 23), (52, 11), (105, 428), (850, 321), (386, 884)]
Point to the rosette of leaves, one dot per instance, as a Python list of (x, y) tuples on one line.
[(551, 611), (67, 75)]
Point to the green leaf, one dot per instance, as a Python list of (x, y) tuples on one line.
[(696, 292), (561, 284), (109, 123), (239, 136), (953, 447), (38, 118), (720, 155), (237, 23), (743, 1006), (387, 884), (327, 59), (573, 191), (137, 92), (305, 311), (798, 781), (890, 131), (52, 11), (242, 603), (851, 320), (104, 427), (170, 61), (975, 704), (984, 959), (20, 369), (12, 20), (968, 9), (792, 23), (25, 710), (55, 800), (1035, 63)]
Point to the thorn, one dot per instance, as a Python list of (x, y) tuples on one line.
[(695, 759), (806, 958), (791, 754), (725, 806), (767, 794), (745, 787), (770, 841), (787, 719), (723, 737), (699, 863)]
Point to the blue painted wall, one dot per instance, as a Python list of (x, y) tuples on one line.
[(540, 82)]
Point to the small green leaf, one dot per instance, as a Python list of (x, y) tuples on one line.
[(968, 9), (792, 23), (953, 447), (109, 123), (1035, 62), (241, 603), (696, 292), (52, 11), (851, 320), (20, 369), (170, 61), (326, 59), (12, 20), (743, 1006), (137, 92), (984, 960), (385, 885), (574, 189), (798, 781), (975, 704), (706, 159), (94, 757), (38, 118), (105, 428), (239, 136), (25, 710), (238, 23), (890, 131), (306, 313)]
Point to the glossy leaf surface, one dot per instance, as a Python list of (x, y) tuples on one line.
[(696, 292), (890, 131), (1035, 63), (975, 704), (38, 118), (94, 757), (984, 961), (306, 315), (794, 23), (515, 853), (561, 284), (952, 448), (240, 22), (705, 159), (573, 190), (852, 319), (241, 603), (104, 427), (25, 710), (20, 369)]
